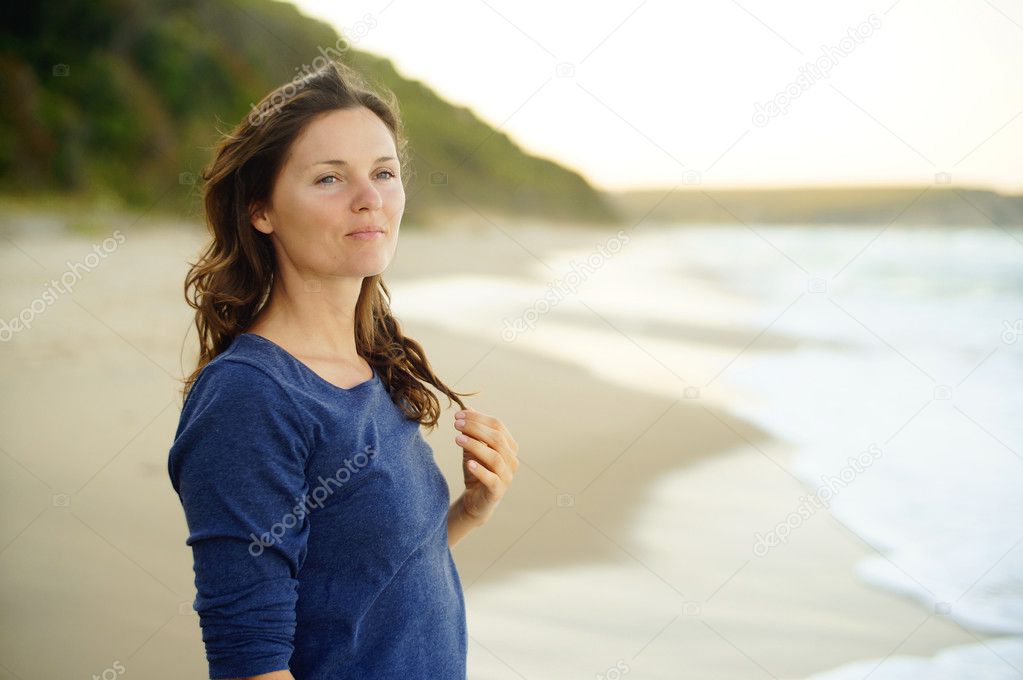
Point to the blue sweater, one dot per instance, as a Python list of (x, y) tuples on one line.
[(317, 520)]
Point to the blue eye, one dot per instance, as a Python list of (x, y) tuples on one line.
[(390, 174)]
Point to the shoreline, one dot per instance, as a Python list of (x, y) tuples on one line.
[(717, 465), (726, 473)]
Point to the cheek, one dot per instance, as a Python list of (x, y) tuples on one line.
[(300, 210), (317, 218), (394, 199)]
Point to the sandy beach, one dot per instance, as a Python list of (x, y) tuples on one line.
[(577, 575)]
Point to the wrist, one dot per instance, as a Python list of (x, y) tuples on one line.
[(467, 516)]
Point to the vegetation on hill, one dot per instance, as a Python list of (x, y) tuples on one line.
[(123, 99)]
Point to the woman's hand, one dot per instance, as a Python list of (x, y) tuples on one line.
[(489, 456)]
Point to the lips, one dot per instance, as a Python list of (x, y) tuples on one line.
[(365, 230)]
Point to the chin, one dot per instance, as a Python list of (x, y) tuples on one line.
[(374, 266)]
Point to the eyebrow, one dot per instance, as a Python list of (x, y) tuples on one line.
[(338, 161)]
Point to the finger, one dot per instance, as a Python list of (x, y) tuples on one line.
[(486, 477), (511, 463), (469, 413), (492, 459), (501, 439), (493, 438)]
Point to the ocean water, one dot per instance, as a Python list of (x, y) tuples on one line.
[(891, 359), (914, 368)]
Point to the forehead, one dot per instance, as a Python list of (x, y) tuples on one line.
[(355, 135)]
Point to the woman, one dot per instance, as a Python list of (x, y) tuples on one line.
[(318, 519)]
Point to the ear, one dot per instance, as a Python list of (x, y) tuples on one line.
[(259, 218)]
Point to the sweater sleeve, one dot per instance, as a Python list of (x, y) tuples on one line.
[(238, 466)]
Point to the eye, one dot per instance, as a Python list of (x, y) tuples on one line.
[(320, 181), (392, 175)]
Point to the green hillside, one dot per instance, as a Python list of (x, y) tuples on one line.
[(122, 99)]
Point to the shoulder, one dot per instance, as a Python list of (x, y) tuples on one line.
[(238, 371), (237, 421), (232, 377), (233, 388)]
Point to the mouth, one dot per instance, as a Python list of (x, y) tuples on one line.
[(366, 233)]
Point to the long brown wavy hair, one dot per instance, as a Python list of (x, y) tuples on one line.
[(229, 284)]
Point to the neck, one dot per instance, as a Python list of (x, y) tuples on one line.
[(313, 319)]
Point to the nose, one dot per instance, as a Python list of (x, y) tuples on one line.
[(367, 198)]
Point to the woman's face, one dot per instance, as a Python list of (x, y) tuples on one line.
[(341, 176)]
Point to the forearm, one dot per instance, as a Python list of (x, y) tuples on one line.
[(459, 523)]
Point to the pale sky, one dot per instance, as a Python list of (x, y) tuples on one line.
[(655, 89)]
